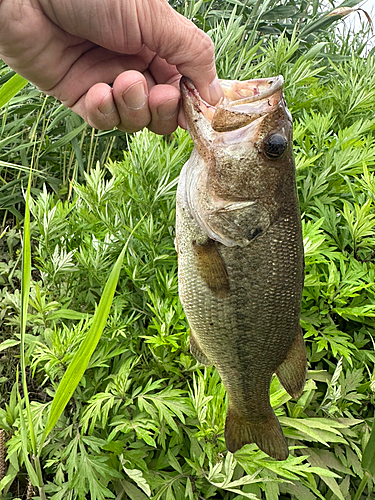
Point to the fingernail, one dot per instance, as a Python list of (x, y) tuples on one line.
[(135, 97), (168, 109), (215, 90), (107, 106)]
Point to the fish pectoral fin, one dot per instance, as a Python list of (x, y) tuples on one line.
[(197, 352), (211, 267), (292, 372), (267, 434)]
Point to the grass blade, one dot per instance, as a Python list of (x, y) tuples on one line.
[(34, 474), (82, 357), (327, 18), (368, 459), (30, 469), (25, 292), (65, 139), (11, 88)]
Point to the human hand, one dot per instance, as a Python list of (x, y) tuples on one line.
[(75, 49)]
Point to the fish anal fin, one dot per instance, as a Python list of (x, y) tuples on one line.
[(292, 372), (197, 352), (267, 434), (211, 268)]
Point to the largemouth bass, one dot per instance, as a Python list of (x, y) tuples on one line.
[(240, 253)]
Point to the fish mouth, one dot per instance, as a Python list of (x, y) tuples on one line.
[(243, 102)]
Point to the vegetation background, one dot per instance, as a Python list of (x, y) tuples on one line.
[(145, 420)]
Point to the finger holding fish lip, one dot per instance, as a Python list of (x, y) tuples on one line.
[(130, 92), (241, 105), (164, 103)]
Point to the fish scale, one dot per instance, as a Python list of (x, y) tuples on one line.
[(240, 255)]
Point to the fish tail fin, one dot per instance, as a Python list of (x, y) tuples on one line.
[(266, 434), (292, 372)]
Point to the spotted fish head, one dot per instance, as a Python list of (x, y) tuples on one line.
[(253, 102), (252, 121), (245, 143)]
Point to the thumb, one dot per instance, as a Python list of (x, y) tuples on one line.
[(178, 41)]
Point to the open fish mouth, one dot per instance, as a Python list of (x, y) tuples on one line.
[(243, 102)]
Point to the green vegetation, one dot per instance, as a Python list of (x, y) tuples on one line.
[(145, 420)]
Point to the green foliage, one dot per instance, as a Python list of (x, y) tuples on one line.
[(312, 20), (10, 88), (36, 131), (146, 420)]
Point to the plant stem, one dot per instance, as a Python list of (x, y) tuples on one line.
[(362, 486), (255, 8), (38, 471)]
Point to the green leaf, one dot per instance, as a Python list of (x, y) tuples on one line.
[(368, 458), (30, 469), (326, 20), (82, 357), (138, 478), (174, 462), (314, 429), (331, 482), (11, 88), (66, 314), (364, 311), (24, 442), (272, 490), (8, 343), (314, 51), (25, 293), (132, 491), (66, 139), (280, 12)]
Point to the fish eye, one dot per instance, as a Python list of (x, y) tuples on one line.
[(274, 146)]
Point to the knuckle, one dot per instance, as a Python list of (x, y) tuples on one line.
[(205, 47)]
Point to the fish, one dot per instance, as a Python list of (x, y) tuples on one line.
[(240, 252)]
